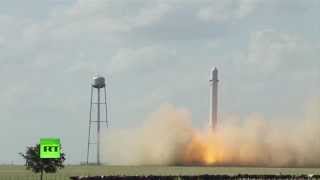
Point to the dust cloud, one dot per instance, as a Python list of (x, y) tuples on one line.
[(167, 138)]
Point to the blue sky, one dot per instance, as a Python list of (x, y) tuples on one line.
[(154, 52)]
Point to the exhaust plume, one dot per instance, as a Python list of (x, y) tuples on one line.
[(167, 138)]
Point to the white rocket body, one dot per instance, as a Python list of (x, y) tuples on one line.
[(213, 117)]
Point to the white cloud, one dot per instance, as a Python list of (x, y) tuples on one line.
[(246, 7), (271, 51), (222, 11), (112, 16), (151, 15), (145, 57)]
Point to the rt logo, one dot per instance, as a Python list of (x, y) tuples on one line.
[(50, 148)]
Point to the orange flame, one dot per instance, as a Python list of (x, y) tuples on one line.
[(204, 149)]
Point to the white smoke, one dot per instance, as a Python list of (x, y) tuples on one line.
[(167, 138)]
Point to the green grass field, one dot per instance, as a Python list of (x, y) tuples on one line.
[(19, 172)]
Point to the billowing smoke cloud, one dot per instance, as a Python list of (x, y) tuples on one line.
[(167, 138)]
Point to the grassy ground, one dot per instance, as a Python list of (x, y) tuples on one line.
[(19, 172)]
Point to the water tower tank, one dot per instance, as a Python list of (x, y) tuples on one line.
[(98, 82)]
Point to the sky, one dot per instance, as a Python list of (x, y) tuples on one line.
[(153, 52)]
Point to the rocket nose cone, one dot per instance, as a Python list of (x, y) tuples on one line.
[(214, 73), (214, 69)]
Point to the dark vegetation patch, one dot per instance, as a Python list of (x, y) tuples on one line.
[(200, 177)]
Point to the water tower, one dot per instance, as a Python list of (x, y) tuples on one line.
[(98, 90)]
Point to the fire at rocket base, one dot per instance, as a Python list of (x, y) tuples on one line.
[(213, 116)]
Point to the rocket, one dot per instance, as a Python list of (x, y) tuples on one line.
[(213, 116)]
